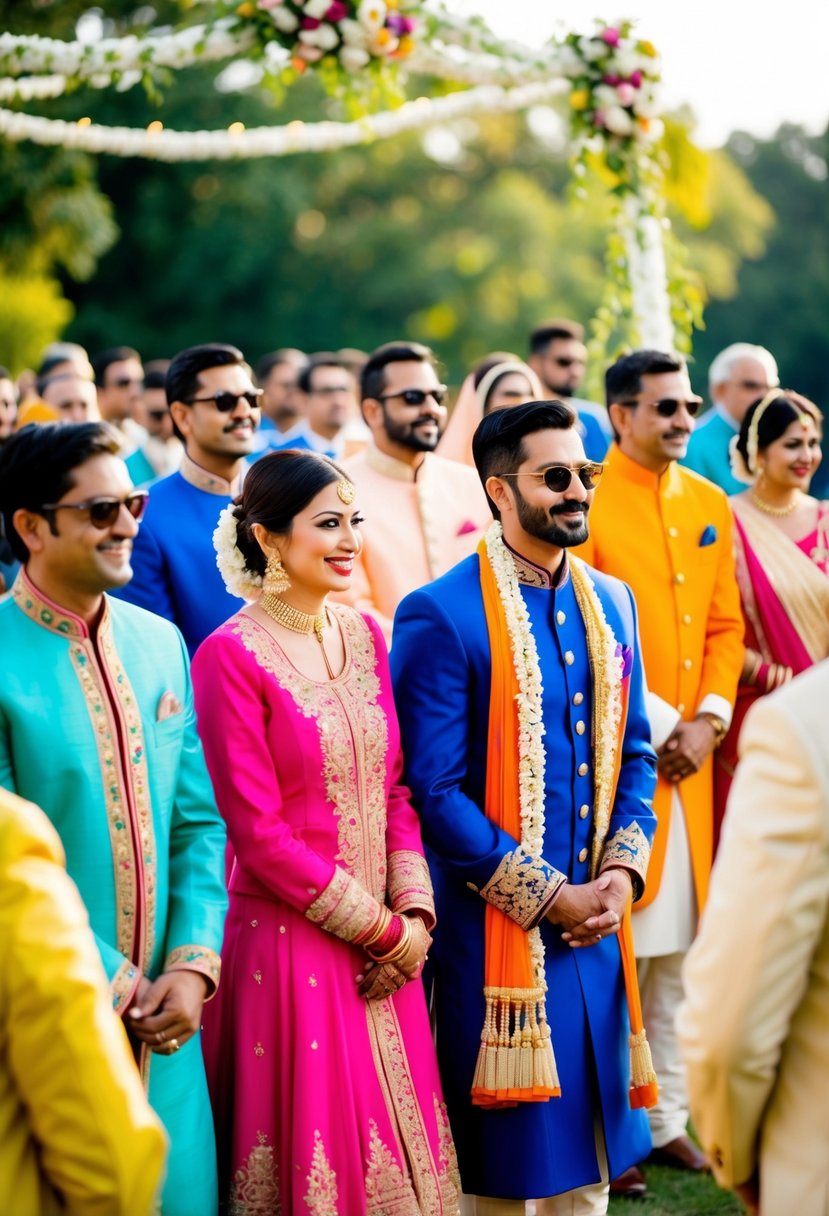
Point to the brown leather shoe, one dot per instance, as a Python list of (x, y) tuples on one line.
[(629, 1185), (681, 1154)]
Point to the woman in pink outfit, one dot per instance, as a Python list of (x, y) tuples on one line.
[(318, 1048), (781, 540)]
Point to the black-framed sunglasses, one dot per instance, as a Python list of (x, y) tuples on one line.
[(668, 406), (103, 512), (417, 396), (225, 401), (566, 360), (559, 477)]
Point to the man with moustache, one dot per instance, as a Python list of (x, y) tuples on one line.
[(215, 410), (422, 513), (667, 532), (97, 723), (520, 693)]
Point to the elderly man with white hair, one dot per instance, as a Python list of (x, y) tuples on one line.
[(736, 378)]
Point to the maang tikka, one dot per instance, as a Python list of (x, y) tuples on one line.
[(276, 577)]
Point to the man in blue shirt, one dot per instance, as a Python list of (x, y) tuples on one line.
[(215, 409), (737, 377), (558, 356)]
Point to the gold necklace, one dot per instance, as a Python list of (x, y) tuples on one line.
[(297, 621), (768, 509)]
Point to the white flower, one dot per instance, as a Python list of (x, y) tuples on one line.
[(604, 95), (353, 33), (284, 20), (618, 121), (353, 58), (316, 8), (238, 579), (372, 15), (324, 36)]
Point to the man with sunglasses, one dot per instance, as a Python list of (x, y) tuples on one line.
[(558, 356), (119, 379), (215, 411), (520, 640), (737, 377), (667, 533), (422, 513), (97, 723)]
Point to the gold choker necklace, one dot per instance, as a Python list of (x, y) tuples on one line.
[(293, 618), (768, 509)]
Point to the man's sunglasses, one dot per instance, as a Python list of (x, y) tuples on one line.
[(103, 512), (417, 396), (566, 361), (225, 401), (668, 406), (559, 477)]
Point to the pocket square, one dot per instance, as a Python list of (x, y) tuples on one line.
[(709, 535), (168, 706), (466, 527)]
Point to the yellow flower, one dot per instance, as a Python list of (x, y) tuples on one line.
[(246, 9), (391, 5), (382, 37), (579, 99), (405, 46), (647, 48)]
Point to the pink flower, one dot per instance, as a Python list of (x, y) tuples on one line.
[(336, 12), (610, 36), (626, 94), (635, 79), (611, 79), (399, 25), (309, 53), (310, 23)]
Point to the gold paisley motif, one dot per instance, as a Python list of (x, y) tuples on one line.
[(321, 1194), (388, 1191), (255, 1187)]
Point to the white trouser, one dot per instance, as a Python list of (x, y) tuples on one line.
[(588, 1200), (660, 987)]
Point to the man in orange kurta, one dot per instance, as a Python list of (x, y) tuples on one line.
[(667, 533)]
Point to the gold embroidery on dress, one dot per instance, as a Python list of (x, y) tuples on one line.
[(195, 958), (255, 1187), (450, 1178), (353, 735), (321, 1195), (521, 885), (123, 984), (402, 1106), (388, 1190), (629, 848), (409, 883), (344, 907)]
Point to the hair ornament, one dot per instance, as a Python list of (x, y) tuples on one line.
[(346, 492), (239, 580)]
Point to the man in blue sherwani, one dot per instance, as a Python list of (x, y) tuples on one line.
[(572, 866)]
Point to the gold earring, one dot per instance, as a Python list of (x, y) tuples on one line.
[(276, 577)]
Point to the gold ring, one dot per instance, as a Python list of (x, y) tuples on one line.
[(174, 1046)]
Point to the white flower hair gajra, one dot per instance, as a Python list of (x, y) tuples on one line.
[(238, 578)]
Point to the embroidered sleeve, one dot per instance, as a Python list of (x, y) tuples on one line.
[(409, 885), (628, 849), (196, 958), (344, 908), (523, 887), (123, 986)]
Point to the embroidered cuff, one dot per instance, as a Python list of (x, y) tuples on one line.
[(344, 908), (123, 986), (522, 887), (628, 849), (409, 885), (196, 958)]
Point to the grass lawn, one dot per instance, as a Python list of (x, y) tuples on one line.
[(675, 1191)]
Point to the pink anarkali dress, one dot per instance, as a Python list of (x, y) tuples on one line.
[(326, 1104)]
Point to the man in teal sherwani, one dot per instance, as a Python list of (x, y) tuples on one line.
[(97, 725)]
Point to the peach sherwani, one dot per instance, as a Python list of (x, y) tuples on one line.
[(418, 524)]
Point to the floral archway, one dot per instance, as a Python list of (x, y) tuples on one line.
[(365, 51)]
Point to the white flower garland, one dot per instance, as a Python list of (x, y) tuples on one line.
[(239, 580)]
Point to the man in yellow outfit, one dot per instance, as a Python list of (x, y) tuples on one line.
[(667, 533), (76, 1132)]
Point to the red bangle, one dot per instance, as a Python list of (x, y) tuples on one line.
[(389, 939)]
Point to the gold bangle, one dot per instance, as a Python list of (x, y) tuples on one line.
[(380, 929), (397, 952)]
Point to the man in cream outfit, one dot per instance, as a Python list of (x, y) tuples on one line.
[(754, 1027)]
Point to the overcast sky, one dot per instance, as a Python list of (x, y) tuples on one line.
[(739, 65)]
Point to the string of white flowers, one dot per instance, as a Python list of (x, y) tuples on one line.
[(238, 143), (238, 579), (648, 276), (531, 756), (33, 88)]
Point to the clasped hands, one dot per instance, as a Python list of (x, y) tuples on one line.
[(589, 911), (379, 980), (686, 749), (167, 1011)]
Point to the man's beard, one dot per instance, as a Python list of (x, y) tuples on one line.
[(541, 524), (562, 393), (409, 436)]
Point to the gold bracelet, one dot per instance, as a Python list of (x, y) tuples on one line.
[(397, 952), (380, 928)]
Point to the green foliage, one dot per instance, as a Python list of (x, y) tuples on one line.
[(678, 1193), (32, 313)]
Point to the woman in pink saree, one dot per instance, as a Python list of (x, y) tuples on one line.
[(782, 558), (319, 1055)]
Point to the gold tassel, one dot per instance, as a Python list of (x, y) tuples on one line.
[(516, 1052), (644, 1090)]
